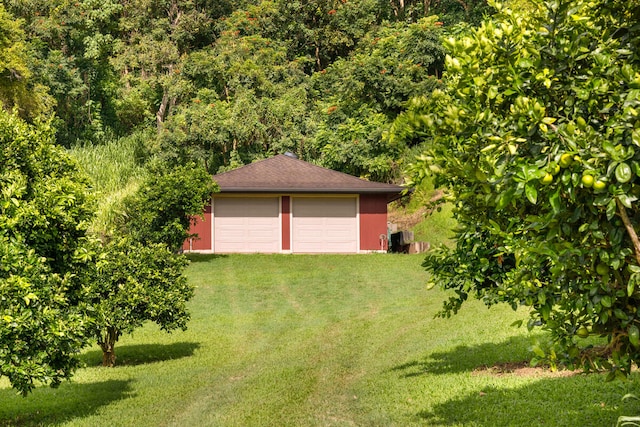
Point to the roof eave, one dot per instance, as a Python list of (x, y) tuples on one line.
[(272, 190)]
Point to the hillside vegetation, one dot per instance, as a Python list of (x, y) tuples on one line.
[(225, 83)]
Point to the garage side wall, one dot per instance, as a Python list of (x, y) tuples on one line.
[(201, 242), (373, 222)]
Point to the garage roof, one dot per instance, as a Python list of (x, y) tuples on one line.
[(286, 174)]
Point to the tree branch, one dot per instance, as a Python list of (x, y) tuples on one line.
[(630, 230)]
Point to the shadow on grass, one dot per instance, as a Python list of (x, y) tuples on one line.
[(468, 358), (139, 354), (581, 400), (47, 406), (204, 257)]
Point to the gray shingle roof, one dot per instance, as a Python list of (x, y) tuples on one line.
[(285, 174)]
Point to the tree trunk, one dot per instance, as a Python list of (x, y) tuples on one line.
[(394, 7), (125, 72), (631, 231), (465, 6), (107, 344), (162, 110), (398, 9), (318, 62)]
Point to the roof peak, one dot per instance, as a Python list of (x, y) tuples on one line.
[(282, 173)]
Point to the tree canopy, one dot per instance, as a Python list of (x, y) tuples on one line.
[(226, 83), (133, 283), (535, 138), (163, 208), (45, 256)]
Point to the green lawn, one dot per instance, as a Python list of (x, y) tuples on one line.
[(320, 341)]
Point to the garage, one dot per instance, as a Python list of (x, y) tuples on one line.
[(246, 224), (324, 224), (285, 205)]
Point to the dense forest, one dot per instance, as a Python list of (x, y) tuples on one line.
[(223, 83)]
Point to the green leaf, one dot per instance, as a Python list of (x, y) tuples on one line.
[(611, 209), (531, 192), (504, 198), (634, 335), (554, 200), (538, 351), (602, 200), (627, 200), (620, 314), (635, 137), (542, 298)]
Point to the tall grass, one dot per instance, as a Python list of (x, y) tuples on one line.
[(115, 173)]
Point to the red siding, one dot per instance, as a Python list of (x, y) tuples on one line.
[(373, 222), (286, 223), (201, 242)]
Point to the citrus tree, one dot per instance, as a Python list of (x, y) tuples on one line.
[(536, 139), (44, 257), (134, 283)]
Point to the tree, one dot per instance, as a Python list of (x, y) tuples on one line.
[(154, 39), (536, 141), (71, 42), (18, 89), (135, 283), (360, 96), (138, 275), (250, 99), (45, 256), (323, 29), (450, 11), (162, 209), (454, 11)]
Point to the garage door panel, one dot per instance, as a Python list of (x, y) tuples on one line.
[(325, 208), (245, 225), (324, 225), (240, 208), (335, 233)]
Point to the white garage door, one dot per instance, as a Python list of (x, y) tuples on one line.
[(244, 225), (324, 225)]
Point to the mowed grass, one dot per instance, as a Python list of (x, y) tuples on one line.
[(321, 341)]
